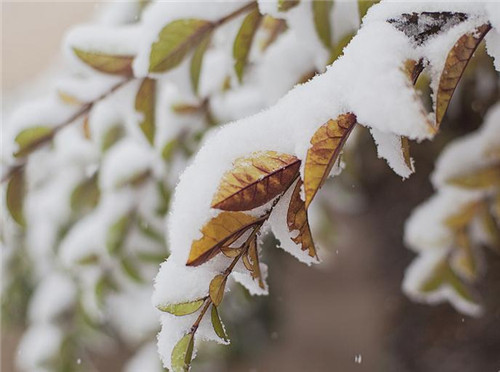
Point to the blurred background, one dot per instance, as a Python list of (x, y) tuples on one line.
[(349, 314)]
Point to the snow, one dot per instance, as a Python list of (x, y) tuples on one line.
[(38, 345)]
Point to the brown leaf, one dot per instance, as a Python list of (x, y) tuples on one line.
[(297, 221), (255, 180), (217, 287), (405, 149), (413, 69), (219, 231), (327, 143), (454, 67), (251, 261)]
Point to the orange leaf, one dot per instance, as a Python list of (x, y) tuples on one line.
[(219, 231), (454, 67), (327, 143), (297, 221), (255, 180)]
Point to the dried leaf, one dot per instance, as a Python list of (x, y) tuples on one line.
[(251, 261), (284, 5), (106, 63), (321, 15), (29, 139), (16, 190), (413, 69), (243, 41), (181, 309), (255, 180), (483, 178), (197, 61), (217, 324), (231, 252), (216, 233), (217, 287), (145, 102), (297, 221), (86, 195), (364, 5), (454, 67), (182, 354), (327, 143), (175, 41), (405, 150)]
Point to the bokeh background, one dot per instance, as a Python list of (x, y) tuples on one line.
[(347, 315)]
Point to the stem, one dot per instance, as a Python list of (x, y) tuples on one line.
[(84, 109), (236, 13)]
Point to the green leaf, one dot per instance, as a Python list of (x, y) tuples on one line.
[(113, 135), (284, 5), (197, 61), (16, 190), (152, 258), (117, 233), (217, 324), (339, 48), (168, 149), (182, 353), (216, 290), (149, 231), (175, 41), (364, 5), (145, 103), (321, 15), (107, 63), (243, 41), (28, 139), (86, 195), (181, 309), (131, 270)]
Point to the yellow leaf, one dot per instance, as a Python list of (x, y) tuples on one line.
[(243, 41), (255, 180), (492, 227), (145, 101), (462, 218), (217, 287), (274, 27), (326, 145), (298, 222), (405, 149), (68, 98), (463, 260), (364, 5), (483, 178), (230, 251), (219, 231), (284, 5), (107, 63), (251, 261), (29, 139), (454, 67)]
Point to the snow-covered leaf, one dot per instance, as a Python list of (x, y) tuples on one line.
[(364, 5), (181, 309), (217, 288), (86, 195), (182, 353), (107, 63), (29, 139), (217, 324), (117, 233), (326, 145), (255, 180)]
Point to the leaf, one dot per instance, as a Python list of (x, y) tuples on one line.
[(217, 287), (112, 135), (231, 252), (326, 145), (86, 195), (68, 98), (148, 230), (219, 231), (107, 63), (363, 6), (482, 178), (454, 67), (284, 5), (175, 41), (251, 261), (217, 324), (463, 260), (492, 228), (29, 139), (463, 217), (90, 259), (16, 190), (321, 15), (405, 150), (413, 69), (274, 27), (444, 275), (131, 270), (117, 233), (297, 220), (182, 353), (243, 41), (145, 102), (255, 180), (339, 47), (181, 309), (197, 61)]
